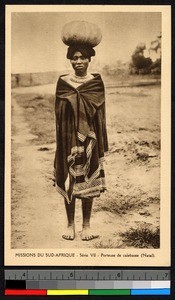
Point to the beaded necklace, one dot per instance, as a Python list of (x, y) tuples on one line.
[(80, 79)]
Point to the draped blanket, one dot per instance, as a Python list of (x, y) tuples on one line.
[(81, 139)]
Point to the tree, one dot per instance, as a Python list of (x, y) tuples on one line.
[(139, 63)]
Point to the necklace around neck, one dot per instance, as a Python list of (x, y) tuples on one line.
[(80, 79)]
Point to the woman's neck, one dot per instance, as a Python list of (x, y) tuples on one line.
[(79, 74)]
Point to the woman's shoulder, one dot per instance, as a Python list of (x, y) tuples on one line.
[(96, 75), (64, 76)]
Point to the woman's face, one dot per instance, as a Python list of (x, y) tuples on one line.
[(79, 63)]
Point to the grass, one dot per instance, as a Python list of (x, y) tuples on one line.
[(122, 198), (39, 114), (120, 207), (144, 236)]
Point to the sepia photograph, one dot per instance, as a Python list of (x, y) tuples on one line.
[(88, 135)]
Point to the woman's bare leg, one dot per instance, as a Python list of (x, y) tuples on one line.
[(70, 211), (86, 210)]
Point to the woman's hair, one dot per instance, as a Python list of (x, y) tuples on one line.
[(86, 50)]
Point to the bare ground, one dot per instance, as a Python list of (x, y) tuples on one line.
[(132, 170)]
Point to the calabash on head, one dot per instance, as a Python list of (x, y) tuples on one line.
[(81, 32)]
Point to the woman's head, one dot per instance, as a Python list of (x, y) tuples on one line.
[(80, 56), (79, 63)]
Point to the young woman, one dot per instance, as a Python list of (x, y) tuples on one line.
[(81, 138)]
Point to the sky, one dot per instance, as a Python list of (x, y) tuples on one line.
[(36, 44)]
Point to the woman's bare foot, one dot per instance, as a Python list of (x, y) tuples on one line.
[(70, 233), (87, 234)]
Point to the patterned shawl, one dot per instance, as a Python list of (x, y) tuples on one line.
[(81, 138)]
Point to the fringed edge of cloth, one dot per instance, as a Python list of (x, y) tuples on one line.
[(93, 191), (63, 193), (84, 194)]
